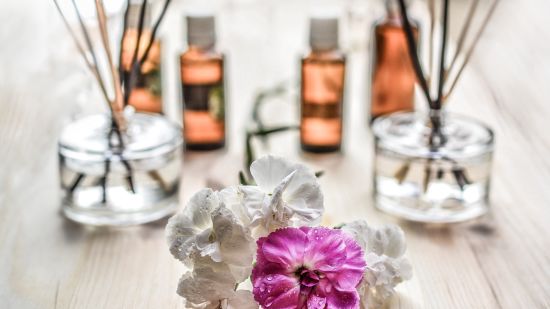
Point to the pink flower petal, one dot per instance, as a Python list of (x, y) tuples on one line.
[(343, 300), (326, 249), (286, 300), (349, 274), (271, 287), (338, 299), (316, 301), (285, 246)]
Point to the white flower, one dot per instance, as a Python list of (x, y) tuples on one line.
[(387, 240), (208, 282), (286, 194), (386, 265), (207, 228), (210, 285)]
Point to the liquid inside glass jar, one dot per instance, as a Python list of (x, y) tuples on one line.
[(103, 184)]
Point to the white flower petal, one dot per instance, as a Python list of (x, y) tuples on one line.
[(246, 202), (303, 194), (237, 246), (208, 282), (189, 231), (201, 206), (242, 300), (269, 171), (388, 240), (181, 237), (386, 266), (294, 197), (382, 275), (207, 228)]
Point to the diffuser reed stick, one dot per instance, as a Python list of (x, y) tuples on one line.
[(92, 66), (431, 11), (464, 32), (130, 75), (411, 44), (117, 103), (470, 51), (154, 32)]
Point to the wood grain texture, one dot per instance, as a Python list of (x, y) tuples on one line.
[(499, 261)]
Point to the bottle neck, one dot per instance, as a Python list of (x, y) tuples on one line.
[(393, 15), (324, 51), (201, 48)]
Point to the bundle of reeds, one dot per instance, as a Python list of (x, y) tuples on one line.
[(448, 72), (121, 80)]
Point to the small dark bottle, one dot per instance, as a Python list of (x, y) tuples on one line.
[(146, 95), (393, 78), (202, 76), (322, 89)]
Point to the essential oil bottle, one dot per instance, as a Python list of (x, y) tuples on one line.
[(202, 77), (146, 95), (392, 79), (322, 89)]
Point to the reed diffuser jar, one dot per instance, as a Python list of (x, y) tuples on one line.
[(434, 168), (119, 169), (419, 181), (106, 184)]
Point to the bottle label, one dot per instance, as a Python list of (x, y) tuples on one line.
[(206, 97)]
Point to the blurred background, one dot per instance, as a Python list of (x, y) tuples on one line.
[(46, 84)]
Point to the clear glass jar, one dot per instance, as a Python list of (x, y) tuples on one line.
[(419, 182), (103, 184)]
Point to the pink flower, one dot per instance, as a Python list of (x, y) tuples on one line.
[(313, 268)]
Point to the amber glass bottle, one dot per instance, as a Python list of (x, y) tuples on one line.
[(322, 89), (202, 76), (146, 94), (393, 78)]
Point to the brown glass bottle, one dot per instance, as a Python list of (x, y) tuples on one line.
[(146, 94), (322, 90), (202, 76), (393, 78)]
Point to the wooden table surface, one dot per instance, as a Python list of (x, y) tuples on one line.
[(499, 261)]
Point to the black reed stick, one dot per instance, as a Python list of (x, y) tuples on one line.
[(120, 154), (76, 182), (445, 13), (104, 180), (411, 44), (154, 32)]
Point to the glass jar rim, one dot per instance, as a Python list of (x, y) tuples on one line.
[(147, 135), (413, 141)]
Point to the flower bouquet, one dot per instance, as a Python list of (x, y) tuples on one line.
[(260, 245)]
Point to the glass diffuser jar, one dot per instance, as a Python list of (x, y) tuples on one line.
[(419, 182), (104, 184)]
